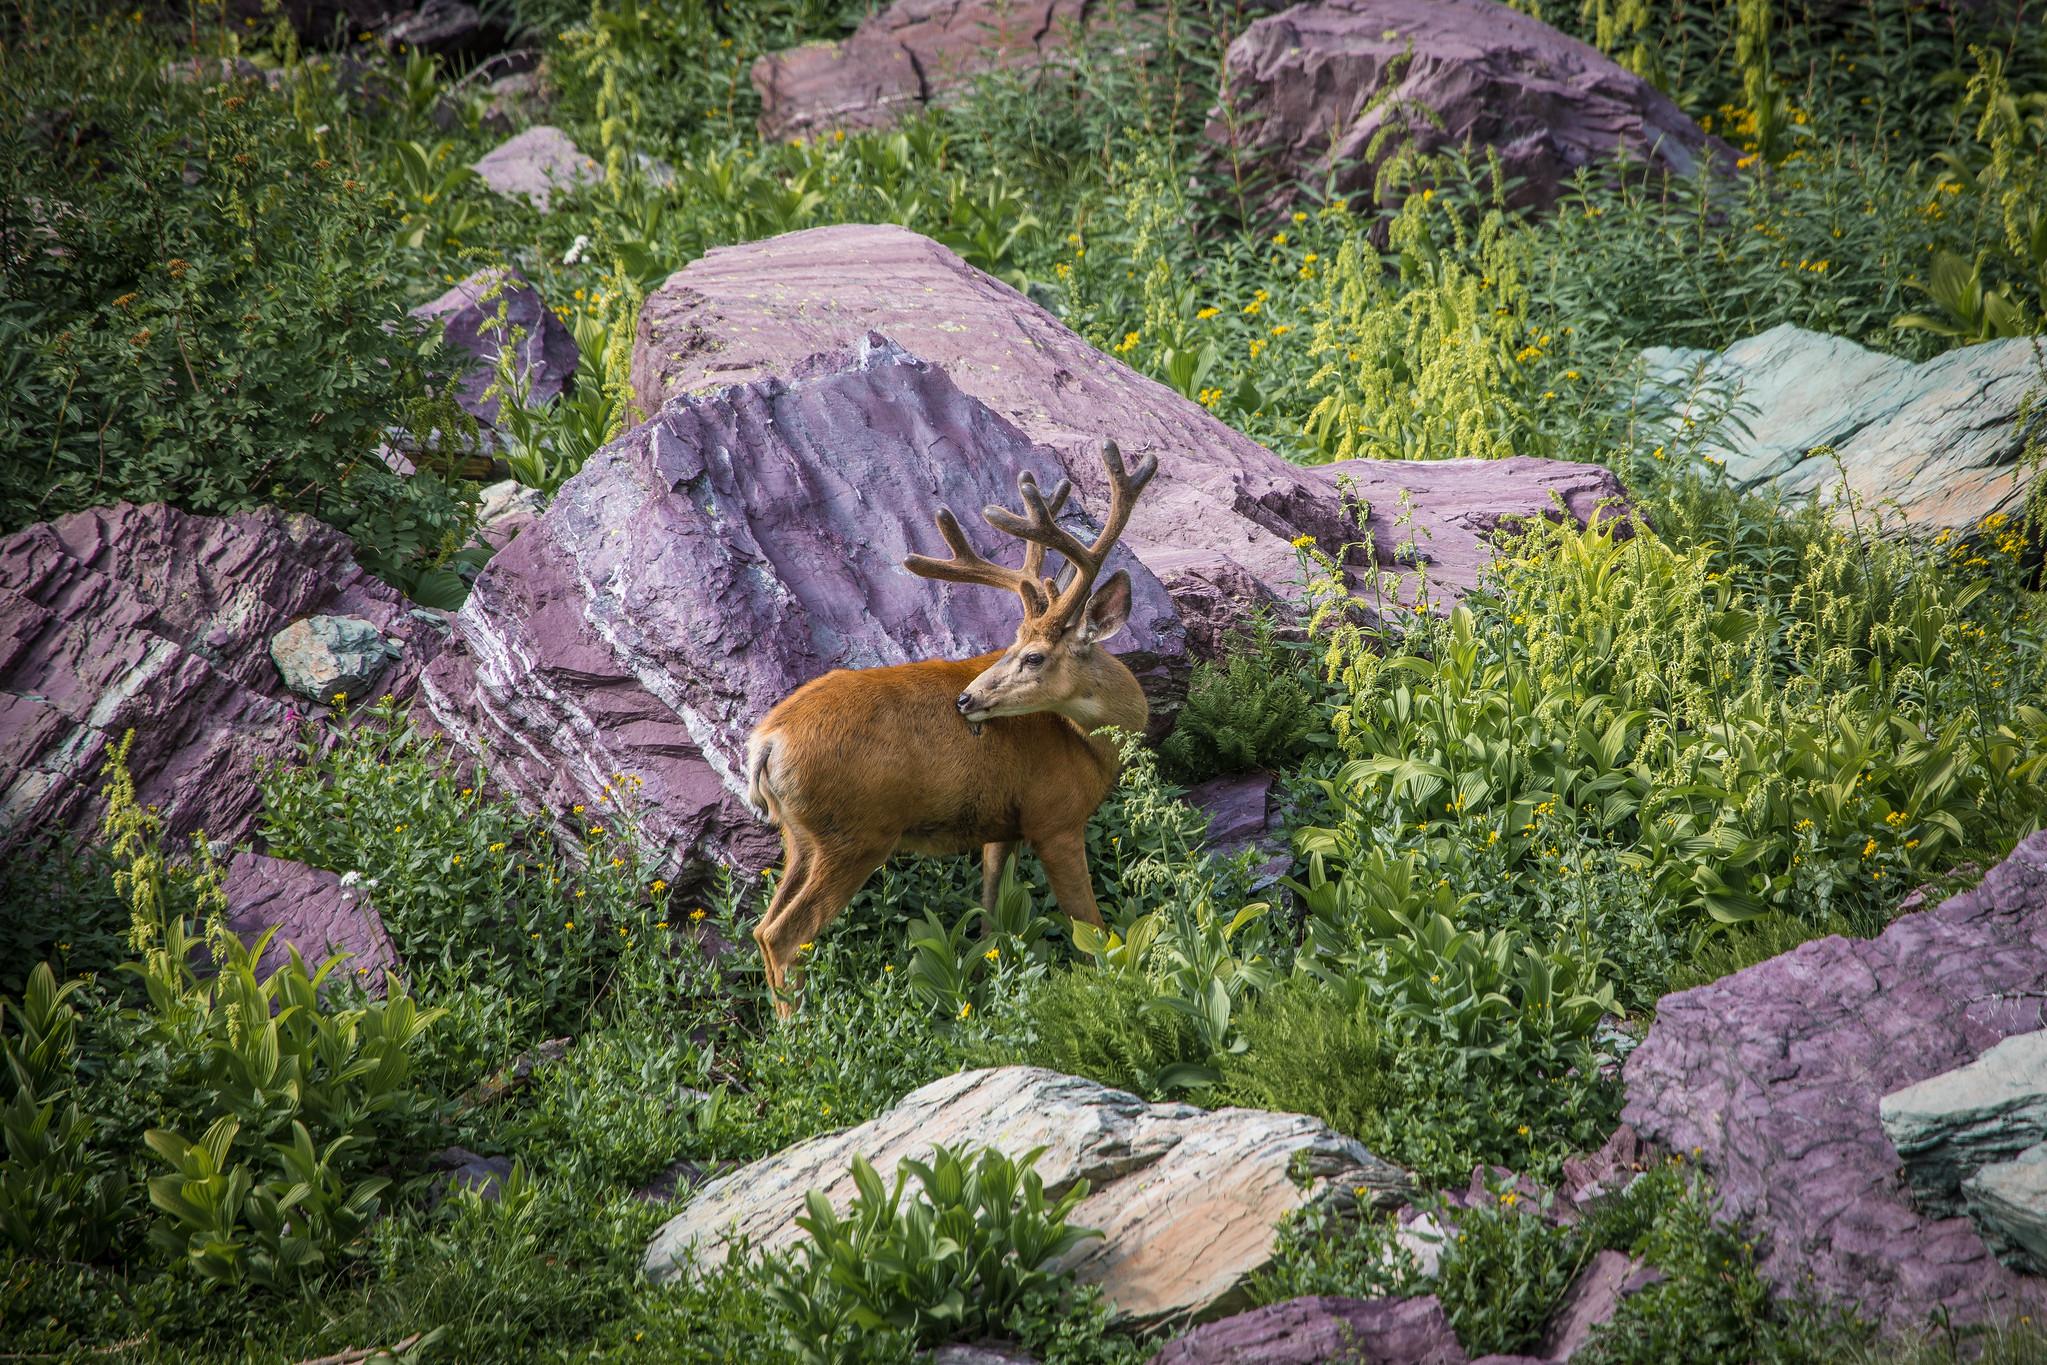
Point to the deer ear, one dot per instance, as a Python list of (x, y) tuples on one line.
[(1108, 609)]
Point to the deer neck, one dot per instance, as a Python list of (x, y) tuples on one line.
[(1111, 696)]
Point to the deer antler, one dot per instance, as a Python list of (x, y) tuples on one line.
[(1039, 529), (967, 566)]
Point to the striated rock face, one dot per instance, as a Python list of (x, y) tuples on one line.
[(1938, 443), (1186, 1199), (2007, 1202), (1216, 526), (544, 358), (910, 54), (703, 566), (1773, 1076), (312, 912), (536, 165), (149, 618), (1315, 85), (1947, 1126), (1323, 1328)]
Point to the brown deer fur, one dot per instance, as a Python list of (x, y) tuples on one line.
[(949, 756)]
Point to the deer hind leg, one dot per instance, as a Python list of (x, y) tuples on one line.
[(1065, 858), (832, 874), (797, 860), (993, 857)]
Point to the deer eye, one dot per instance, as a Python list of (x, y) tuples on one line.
[(1032, 661)]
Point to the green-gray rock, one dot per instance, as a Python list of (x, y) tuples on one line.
[(2008, 1204), (1948, 1127), (321, 656), (1939, 440)]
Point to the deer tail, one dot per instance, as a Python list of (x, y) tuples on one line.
[(760, 793)]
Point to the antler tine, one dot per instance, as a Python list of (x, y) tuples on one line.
[(1034, 550), (1124, 486), (967, 566)]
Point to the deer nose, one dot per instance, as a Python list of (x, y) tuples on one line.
[(965, 702)]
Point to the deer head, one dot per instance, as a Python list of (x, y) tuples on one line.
[(1053, 665)]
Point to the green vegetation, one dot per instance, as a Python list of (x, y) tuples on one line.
[(1649, 752)]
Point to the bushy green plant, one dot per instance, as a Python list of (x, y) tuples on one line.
[(1253, 711), (1308, 1051), (1505, 1270), (200, 304), (60, 1196), (1105, 1026), (970, 1246)]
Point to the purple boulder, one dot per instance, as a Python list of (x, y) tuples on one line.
[(1322, 1328), (313, 912), (1771, 1078), (702, 566), (1607, 1281), (1314, 86), (536, 165), (156, 620), (544, 358), (908, 55), (1218, 523)]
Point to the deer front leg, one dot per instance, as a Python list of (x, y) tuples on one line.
[(993, 857), (1065, 858)]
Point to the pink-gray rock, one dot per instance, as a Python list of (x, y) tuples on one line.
[(1218, 523), (1310, 90), (1237, 810), (1594, 1176), (544, 357), (701, 567), (149, 618), (536, 165), (1772, 1078), (312, 911), (1323, 1328), (1606, 1282), (908, 55)]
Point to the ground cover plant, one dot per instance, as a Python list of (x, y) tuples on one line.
[(1648, 752)]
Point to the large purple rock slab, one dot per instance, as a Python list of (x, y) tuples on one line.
[(1772, 1077), (149, 618), (1217, 524), (707, 563), (312, 911), (1311, 92), (544, 358), (907, 55), (1323, 1328)]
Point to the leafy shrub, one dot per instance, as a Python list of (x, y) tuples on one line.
[(1504, 1272), (200, 306), (59, 1197), (971, 1246), (279, 1055), (1255, 711), (1310, 1052), (1105, 1026), (467, 884)]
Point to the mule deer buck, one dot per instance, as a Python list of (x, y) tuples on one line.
[(953, 755)]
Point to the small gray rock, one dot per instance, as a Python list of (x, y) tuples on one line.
[(1951, 1125), (2008, 1204), (322, 656), (535, 164)]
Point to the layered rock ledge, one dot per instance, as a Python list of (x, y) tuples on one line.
[(1771, 1079), (1187, 1199)]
